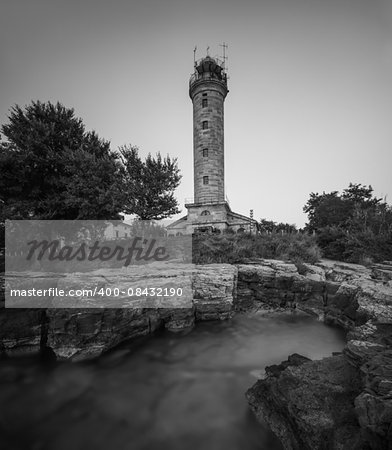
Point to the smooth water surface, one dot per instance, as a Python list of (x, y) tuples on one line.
[(171, 391)]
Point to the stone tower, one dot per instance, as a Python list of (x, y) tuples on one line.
[(208, 90), (209, 210)]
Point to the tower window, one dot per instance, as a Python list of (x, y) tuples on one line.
[(205, 95), (205, 152), (205, 124), (205, 180), (205, 213), (204, 102)]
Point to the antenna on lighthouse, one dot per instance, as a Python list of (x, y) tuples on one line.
[(194, 56), (225, 58)]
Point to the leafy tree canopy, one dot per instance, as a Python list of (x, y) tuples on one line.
[(270, 226), (351, 226), (149, 185), (355, 208), (52, 168)]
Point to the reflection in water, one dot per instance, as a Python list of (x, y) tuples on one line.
[(181, 391)]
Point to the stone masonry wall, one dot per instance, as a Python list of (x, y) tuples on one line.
[(211, 139)]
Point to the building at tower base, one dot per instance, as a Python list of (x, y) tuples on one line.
[(211, 218), (209, 211)]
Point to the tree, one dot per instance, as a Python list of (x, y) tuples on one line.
[(149, 185), (267, 225), (270, 226), (53, 169), (353, 226), (326, 210), (357, 193)]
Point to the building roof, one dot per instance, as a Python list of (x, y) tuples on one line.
[(177, 222)]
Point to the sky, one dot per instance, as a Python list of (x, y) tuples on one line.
[(309, 107)]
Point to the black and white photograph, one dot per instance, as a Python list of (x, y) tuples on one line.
[(196, 225)]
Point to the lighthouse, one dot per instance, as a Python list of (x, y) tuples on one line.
[(208, 90), (209, 210)]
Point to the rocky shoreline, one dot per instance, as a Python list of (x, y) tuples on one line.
[(84, 333), (343, 401)]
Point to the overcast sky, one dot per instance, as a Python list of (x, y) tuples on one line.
[(310, 101)]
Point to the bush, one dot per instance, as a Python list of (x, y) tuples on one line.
[(359, 247), (238, 248)]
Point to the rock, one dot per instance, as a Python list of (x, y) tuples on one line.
[(177, 319), (20, 331), (341, 307), (85, 334), (314, 273), (293, 360), (382, 272), (358, 352), (341, 293), (272, 282), (374, 301), (309, 405), (373, 405), (340, 402), (375, 417), (340, 271), (214, 291), (77, 333), (279, 284)]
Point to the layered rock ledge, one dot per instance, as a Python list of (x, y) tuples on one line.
[(343, 401), (64, 327)]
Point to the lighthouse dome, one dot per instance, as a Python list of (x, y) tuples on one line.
[(209, 65)]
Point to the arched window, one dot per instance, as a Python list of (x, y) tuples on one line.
[(205, 124), (204, 102), (205, 213), (205, 152), (241, 230), (205, 180)]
